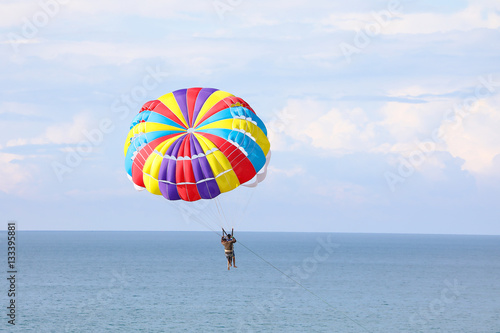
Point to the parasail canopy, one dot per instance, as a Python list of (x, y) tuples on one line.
[(196, 143)]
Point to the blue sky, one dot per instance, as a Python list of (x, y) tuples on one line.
[(382, 115)]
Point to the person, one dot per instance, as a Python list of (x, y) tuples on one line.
[(228, 243)]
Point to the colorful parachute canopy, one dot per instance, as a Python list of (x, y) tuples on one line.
[(195, 144)]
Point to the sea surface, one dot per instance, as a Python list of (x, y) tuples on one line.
[(285, 282)]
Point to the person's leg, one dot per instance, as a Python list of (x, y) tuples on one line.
[(228, 262), (234, 261)]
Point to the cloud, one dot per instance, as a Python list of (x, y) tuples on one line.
[(310, 123), (22, 159), (290, 172), (62, 133), (475, 138), (475, 16), (390, 22), (15, 177), (147, 8), (406, 123), (16, 13), (13, 12), (341, 132), (341, 193), (17, 108), (96, 194), (397, 130)]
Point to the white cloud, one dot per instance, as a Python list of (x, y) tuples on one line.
[(406, 122), (290, 172), (311, 123), (429, 88), (476, 15), (62, 133), (15, 177), (96, 194), (286, 126), (18, 108), (395, 127), (341, 131), (476, 137), (473, 17), (182, 55), (146, 8), (343, 193), (16, 13), (399, 130)]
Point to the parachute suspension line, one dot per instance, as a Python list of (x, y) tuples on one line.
[(306, 289), (223, 174), (224, 214), (242, 212), (201, 212), (221, 219), (210, 216), (288, 276), (206, 225), (212, 230), (191, 212)]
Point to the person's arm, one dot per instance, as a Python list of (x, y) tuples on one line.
[(234, 240)]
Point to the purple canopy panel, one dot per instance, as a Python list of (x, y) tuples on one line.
[(203, 95), (208, 189), (180, 97), (167, 172)]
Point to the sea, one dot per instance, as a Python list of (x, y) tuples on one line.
[(82, 281)]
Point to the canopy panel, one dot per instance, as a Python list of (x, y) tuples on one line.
[(196, 143)]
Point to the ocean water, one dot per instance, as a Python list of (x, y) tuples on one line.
[(178, 282)]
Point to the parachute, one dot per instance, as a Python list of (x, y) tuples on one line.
[(194, 144)]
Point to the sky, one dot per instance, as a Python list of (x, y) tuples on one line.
[(382, 115)]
